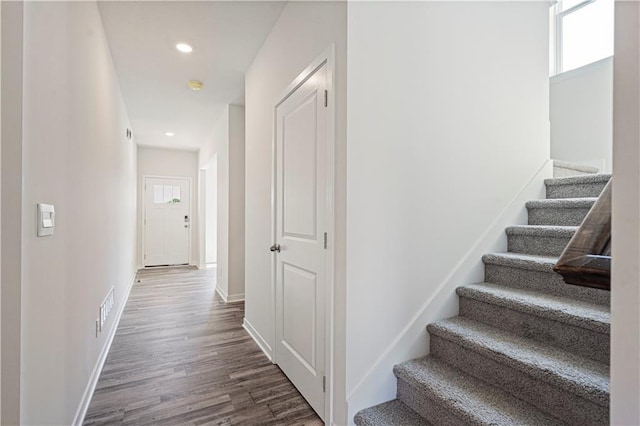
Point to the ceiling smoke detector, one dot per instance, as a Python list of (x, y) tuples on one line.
[(195, 84), (184, 48)]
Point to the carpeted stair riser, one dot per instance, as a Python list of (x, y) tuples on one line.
[(545, 282), (445, 395), (557, 215), (543, 244), (581, 341), (566, 169), (427, 407), (558, 402), (391, 413), (578, 186)]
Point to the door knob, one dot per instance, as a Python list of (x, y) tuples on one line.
[(275, 248)]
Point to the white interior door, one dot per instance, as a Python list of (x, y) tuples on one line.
[(300, 204), (167, 221)]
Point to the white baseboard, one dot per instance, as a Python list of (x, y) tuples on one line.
[(379, 384), (95, 375), (235, 298), (257, 338), (229, 298)]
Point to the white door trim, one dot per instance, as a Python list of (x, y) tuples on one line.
[(328, 58), (144, 213)]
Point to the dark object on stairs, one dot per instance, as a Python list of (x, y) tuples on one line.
[(586, 261), (526, 349)]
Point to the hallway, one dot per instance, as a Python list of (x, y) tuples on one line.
[(180, 356)]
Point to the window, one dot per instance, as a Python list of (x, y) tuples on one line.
[(582, 33), (166, 194)]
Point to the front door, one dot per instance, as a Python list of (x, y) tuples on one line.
[(167, 222), (300, 210)]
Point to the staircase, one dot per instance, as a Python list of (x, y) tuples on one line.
[(526, 348)]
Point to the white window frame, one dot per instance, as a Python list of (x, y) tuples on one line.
[(556, 31)]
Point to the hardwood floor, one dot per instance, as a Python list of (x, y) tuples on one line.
[(181, 357)]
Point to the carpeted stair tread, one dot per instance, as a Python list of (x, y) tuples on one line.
[(575, 167), (542, 230), (584, 377), (535, 273), (470, 399), (390, 413), (521, 261), (574, 312), (562, 203), (580, 179)]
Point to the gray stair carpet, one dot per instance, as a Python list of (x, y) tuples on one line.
[(526, 348)]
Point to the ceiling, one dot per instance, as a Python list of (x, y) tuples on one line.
[(153, 74)]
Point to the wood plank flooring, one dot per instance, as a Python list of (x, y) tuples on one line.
[(181, 357)]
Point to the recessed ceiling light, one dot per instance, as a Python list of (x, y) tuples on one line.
[(195, 84), (184, 47), (169, 134)]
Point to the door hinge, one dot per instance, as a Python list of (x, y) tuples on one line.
[(325, 240), (324, 384), (326, 98)]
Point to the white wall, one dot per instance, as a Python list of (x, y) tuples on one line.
[(625, 274), (303, 32), (11, 189), (236, 277), (581, 111), (226, 143), (75, 156), (0, 220), (169, 163), (448, 120), (211, 210)]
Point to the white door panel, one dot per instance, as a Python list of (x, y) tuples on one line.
[(301, 191), (167, 221)]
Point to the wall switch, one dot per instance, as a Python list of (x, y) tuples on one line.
[(46, 219)]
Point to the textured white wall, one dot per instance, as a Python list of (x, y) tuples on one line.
[(303, 32), (625, 274), (236, 201), (11, 170), (448, 120), (169, 163), (581, 108), (76, 156)]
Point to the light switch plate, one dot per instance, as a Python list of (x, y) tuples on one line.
[(46, 219)]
